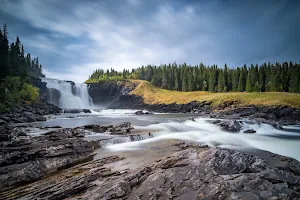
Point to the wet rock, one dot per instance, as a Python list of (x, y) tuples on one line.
[(232, 125), (250, 131), (72, 111), (29, 113), (140, 112), (189, 144), (195, 111), (25, 158), (47, 127), (273, 123), (148, 113), (87, 111), (119, 129), (216, 121)]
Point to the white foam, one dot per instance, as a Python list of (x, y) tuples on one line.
[(204, 132)]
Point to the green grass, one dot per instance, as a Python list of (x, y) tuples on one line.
[(155, 95)]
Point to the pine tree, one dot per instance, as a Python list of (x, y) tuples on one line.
[(221, 81), (3, 68), (294, 85), (235, 79), (285, 77), (190, 83), (249, 86), (257, 87), (184, 78), (176, 79), (229, 83), (281, 77), (276, 85), (212, 79), (204, 86), (262, 77), (241, 86), (226, 76), (164, 83), (4, 53)]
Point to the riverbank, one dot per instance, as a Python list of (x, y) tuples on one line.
[(29, 112)]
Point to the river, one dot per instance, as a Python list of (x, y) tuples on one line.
[(173, 127)]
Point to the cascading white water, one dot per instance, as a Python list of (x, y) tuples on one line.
[(71, 96), (266, 137)]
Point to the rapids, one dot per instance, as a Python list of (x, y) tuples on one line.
[(170, 127)]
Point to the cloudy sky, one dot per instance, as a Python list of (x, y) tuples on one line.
[(72, 38)]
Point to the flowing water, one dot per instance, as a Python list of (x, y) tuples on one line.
[(67, 95), (159, 128)]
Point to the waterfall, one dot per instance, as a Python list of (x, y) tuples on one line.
[(67, 94)]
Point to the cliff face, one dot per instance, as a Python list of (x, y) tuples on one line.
[(106, 94)]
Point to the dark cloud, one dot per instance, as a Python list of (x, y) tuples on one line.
[(72, 38)]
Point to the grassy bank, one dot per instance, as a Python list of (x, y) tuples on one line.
[(155, 95)]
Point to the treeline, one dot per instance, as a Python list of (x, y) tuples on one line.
[(16, 72), (269, 77), (13, 62)]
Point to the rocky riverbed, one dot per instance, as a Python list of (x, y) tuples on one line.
[(61, 164), (51, 162)]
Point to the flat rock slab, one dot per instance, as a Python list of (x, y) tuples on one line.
[(192, 173)]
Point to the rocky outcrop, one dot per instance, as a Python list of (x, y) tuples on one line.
[(193, 173), (107, 93), (229, 125), (136, 102), (66, 183), (24, 158), (29, 112), (203, 173), (273, 115)]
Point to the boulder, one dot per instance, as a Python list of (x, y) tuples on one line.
[(250, 131), (139, 112), (232, 125), (87, 111)]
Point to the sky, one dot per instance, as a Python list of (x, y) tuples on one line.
[(72, 38)]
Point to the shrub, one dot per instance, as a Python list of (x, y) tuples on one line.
[(14, 91), (29, 92)]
